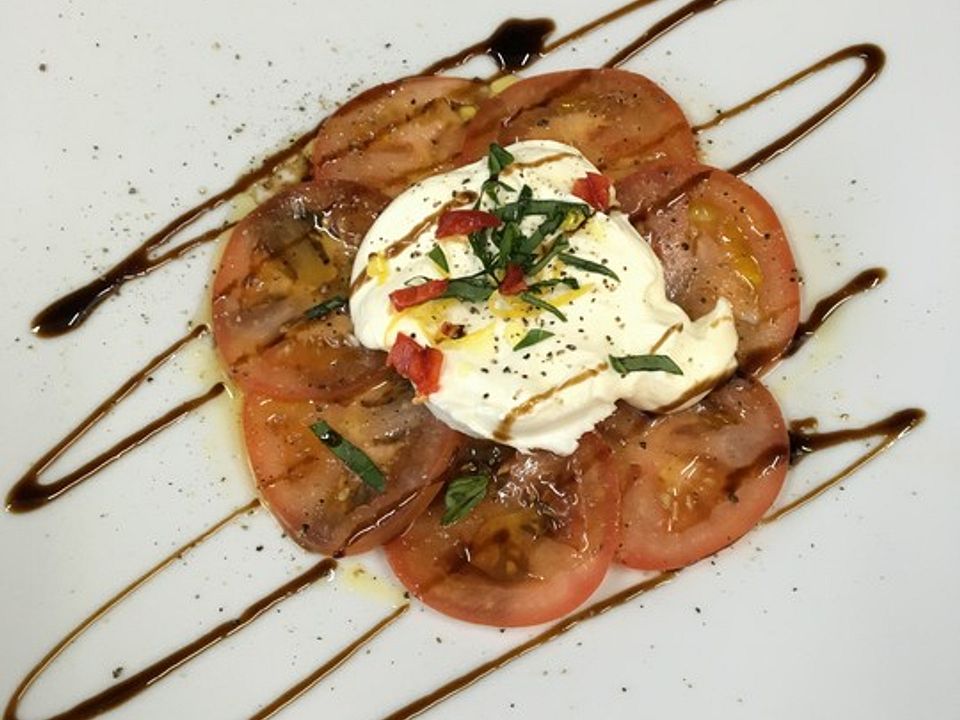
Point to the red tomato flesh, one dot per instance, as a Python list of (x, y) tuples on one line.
[(288, 255), (395, 134), (696, 481), (533, 550), (717, 237), (318, 500), (618, 119)]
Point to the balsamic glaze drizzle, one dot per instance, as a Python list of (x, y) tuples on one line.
[(863, 282), (28, 493), (515, 45), (803, 442), (10, 712)]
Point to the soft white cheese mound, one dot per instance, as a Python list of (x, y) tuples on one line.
[(547, 395)]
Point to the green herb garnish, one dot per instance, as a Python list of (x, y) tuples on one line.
[(559, 245), (532, 299), (588, 265), (326, 307), (644, 363), (532, 338), (462, 495), (471, 289), (553, 282), (350, 455), (439, 258), (497, 159)]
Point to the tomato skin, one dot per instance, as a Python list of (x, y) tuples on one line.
[(291, 253), (417, 294), (315, 497), (717, 237), (594, 189), (617, 119), (394, 134), (507, 563), (696, 481), (513, 282), (464, 222), (420, 365)]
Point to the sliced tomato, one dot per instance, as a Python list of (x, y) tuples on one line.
[(696, 481), (464, 222), (290, 254), (618, 119), (321, 503), (534, 549), (395, 134), (717, 237)]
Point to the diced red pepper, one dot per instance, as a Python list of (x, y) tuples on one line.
[(594, 189), (464, 222), (417, 294), (513, 282), (420, 365)]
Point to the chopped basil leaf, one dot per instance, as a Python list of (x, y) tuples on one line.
[(528, 206), (532, 299), (462, 495), (508, 237), (478, 243), (644, 363), (548, 226), (326, 307), (350, 455), (439, 257), (532, 338), (559, 245), (588, 265), (498, 159), (491, 188), (471, 289), (544, 284)]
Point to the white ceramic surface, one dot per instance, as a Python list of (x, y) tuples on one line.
[(845, 609)]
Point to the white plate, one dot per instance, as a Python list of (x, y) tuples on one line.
[(845, 609)]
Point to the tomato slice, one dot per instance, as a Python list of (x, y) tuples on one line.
[(395, 134), (321, 503), (534, 549), (288, 255), (618, 119), (696, 481), (717, 237)]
